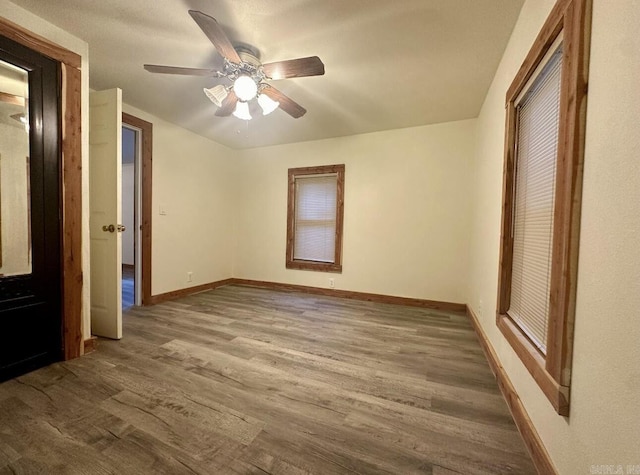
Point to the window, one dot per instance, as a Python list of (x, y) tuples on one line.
[(537, 116), (314, 218), (546, 106)]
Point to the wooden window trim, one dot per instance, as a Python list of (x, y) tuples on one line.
[(299, 264), (553, 372)]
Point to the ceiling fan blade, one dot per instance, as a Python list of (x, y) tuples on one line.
[(287, 104), (12, 99), (156, 68), (228, 105), (216, 35), (294, 68)]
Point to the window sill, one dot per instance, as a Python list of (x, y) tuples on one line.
[(314, 266), (535, 363)]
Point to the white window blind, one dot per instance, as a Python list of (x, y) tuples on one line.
[(315, 218), (538, 114)]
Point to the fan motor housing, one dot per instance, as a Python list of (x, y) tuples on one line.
[(248, 54)]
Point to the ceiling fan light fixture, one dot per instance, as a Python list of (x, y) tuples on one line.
[(242, 111), (268, 105), (245, 72), (245, 88), (216, 94)]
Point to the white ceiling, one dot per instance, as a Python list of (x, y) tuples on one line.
[(389, 64)]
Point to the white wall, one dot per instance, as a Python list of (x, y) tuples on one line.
[(194, 182), (128, 194), (31, 22), (128, 212), (605, 413), (406, 212)]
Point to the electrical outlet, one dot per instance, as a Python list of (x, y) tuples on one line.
[(189, 276), (332, 284)]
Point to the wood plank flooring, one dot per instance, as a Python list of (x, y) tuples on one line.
[(242, 380)]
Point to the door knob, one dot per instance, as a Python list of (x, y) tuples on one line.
[(112, 229)]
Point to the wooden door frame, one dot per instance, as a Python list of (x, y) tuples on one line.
[(146, 140), (71, 180)]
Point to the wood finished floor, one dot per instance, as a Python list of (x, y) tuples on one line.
[(244, 380)]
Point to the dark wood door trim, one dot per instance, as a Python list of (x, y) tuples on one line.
[(146, 132), (71, 179)]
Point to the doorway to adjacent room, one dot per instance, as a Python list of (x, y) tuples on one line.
[(136, 211)]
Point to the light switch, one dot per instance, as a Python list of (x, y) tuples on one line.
[(162, 210)]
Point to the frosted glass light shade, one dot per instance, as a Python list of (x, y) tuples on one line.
[(268, 105), (242, 111), (245, 88), (217, 94)]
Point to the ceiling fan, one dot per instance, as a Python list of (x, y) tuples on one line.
[(246, 75)]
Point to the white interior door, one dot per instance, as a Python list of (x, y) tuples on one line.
[(105, 183)]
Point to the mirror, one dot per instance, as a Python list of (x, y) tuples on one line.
[(15, 213)]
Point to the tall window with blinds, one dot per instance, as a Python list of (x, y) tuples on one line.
[(537, 119), (315, 218), (541, 199), (315, 211)]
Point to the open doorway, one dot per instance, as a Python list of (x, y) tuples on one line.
[(136, 211), (130, 210)]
